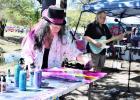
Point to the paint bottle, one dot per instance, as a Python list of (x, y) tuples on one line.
[(3, 83), (37, 78), (16, 74), (8, 77), (8, 73), (22, 80), (31, 73), (31, 78), (27, 71), (0, 83)]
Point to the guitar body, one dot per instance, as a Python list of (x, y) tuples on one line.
[(103, 40), (95, 49)]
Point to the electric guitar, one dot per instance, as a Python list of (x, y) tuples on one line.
[(103, 41)]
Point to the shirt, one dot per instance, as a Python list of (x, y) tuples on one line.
[(58, 50), (96, 32)]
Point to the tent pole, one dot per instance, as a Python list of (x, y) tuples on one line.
[(77, 25)]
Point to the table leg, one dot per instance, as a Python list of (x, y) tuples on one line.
[(89, 91)]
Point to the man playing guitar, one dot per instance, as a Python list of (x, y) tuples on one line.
[(95, 33)]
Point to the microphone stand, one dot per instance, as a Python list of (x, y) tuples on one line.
[(129, 47), (128, 93), (129, 70), (118, 57), (119, 30)]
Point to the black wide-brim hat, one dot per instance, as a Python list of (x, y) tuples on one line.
[(54, 15)]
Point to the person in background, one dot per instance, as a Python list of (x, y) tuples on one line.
[(96, 30), (48, 42)]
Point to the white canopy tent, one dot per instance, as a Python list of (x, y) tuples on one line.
[(128, 20)]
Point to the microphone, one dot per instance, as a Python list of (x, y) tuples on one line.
[(116, 20), (120, 23)]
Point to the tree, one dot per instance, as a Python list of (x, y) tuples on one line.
[(73, 18), (2, 26), (85, 1), (47, 3), (18, 11), (40, 1), (63, 4)]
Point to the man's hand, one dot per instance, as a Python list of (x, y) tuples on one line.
[(98, 44), (120, 37)]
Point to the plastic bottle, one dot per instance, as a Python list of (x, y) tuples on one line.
[(3, 83), (8, 73), (27, 71), (37, 78), (31, 78), (0, 83), (22, 80), (32, 68), (8, 76), (16, 74)]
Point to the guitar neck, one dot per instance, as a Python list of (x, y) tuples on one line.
[(111, 39), (115, 38)]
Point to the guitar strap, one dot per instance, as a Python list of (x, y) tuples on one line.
[(102, 30)]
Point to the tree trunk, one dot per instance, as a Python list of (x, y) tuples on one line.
[(2, 33), (2, 27), (47, 3)]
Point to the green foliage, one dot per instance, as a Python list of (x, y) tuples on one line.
[(85, 1), (20, 12), (73, 16)]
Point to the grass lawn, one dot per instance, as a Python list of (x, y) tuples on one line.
[(10, 43)]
